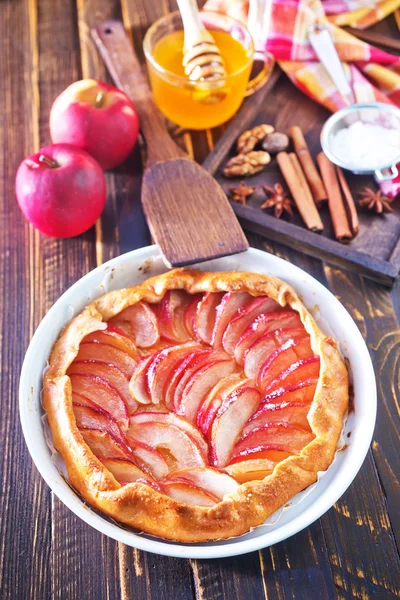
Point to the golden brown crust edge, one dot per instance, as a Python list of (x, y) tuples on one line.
[(142, 507)]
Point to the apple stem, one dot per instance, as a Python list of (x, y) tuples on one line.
[(99, 99), (52, 164)]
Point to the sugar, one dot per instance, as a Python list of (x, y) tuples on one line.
[(366, 146)]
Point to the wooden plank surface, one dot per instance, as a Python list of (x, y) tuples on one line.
[(47, 552)]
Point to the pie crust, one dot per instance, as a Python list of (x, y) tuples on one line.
[(140, 506)]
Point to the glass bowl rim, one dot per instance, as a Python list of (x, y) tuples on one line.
[(341, 114), (181, 78)]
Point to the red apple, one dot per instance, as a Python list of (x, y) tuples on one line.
[(61, 190), (97, 117)]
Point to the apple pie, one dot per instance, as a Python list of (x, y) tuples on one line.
[(194, 405)]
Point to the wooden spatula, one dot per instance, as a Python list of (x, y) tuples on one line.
[(187, 212)]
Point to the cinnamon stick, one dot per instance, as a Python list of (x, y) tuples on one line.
[(297, 184), (310, 170), (349, 201), (335, 201)]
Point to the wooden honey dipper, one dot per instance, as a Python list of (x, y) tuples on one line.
[(202, 59)]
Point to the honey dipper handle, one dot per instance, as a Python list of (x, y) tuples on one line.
[(118, 54), (192, 25)]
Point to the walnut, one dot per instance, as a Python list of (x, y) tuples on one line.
[(248, 140), (275, 142), (247, 164)]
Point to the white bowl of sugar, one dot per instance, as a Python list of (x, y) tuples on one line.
[(364, 138)]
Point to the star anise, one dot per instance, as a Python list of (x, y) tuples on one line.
[(375, 200), (278, 199), (241, 193)]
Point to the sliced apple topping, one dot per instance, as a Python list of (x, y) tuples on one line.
[(206, 315), (214, 399), (200, 384), (139, 385), (124, 471), (104, 353), (90, 418), (140, 323), (248, 470), (179, 372), (232, 305), (296, 343), (109, 373), (229, 421), (172, 419), (238, 324), (280, 437), (304, 368), (188, 493), (189, 318), (112, 336), (300, 391), (171, 316), (177, 448), (275, 321), (102, 395), (210, 480), (161, 368), (103, 445), (294, 413), (198, 360), (148, 459)]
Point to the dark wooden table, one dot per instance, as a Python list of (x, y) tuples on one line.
[(47, 552)]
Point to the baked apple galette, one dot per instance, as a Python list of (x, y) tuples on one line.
[(194, 405)]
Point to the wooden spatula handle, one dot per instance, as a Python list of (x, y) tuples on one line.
[(123, 64)]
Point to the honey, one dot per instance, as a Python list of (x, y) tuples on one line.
[(198, 105)]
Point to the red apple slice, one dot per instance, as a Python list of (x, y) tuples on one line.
[(261, 326), (284, 356), (199, 359), (214, 399), (249, 470), (212, 481), (160, 370), (178, 373), (124, 471), (172, 419), (229, 422), (102, 395), (258, 353), (200, 384), (300, 391), (206, 315), (153, 484), (110, 355), (237, 325), (176, 447), (305, 368), (190, 314), (171, 316), (231, 305), (113, 337), (90, 418), (103, 445), (138, 385), (294, 413), (188, 493), (148, 459), (140, 324), (280, 437), (109, 373)]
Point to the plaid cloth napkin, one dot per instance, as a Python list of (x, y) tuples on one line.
[(359, 13), (373, 74)]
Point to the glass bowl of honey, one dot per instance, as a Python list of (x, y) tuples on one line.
[(202, 104)]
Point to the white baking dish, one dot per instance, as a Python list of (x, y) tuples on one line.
[(134, 267)]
